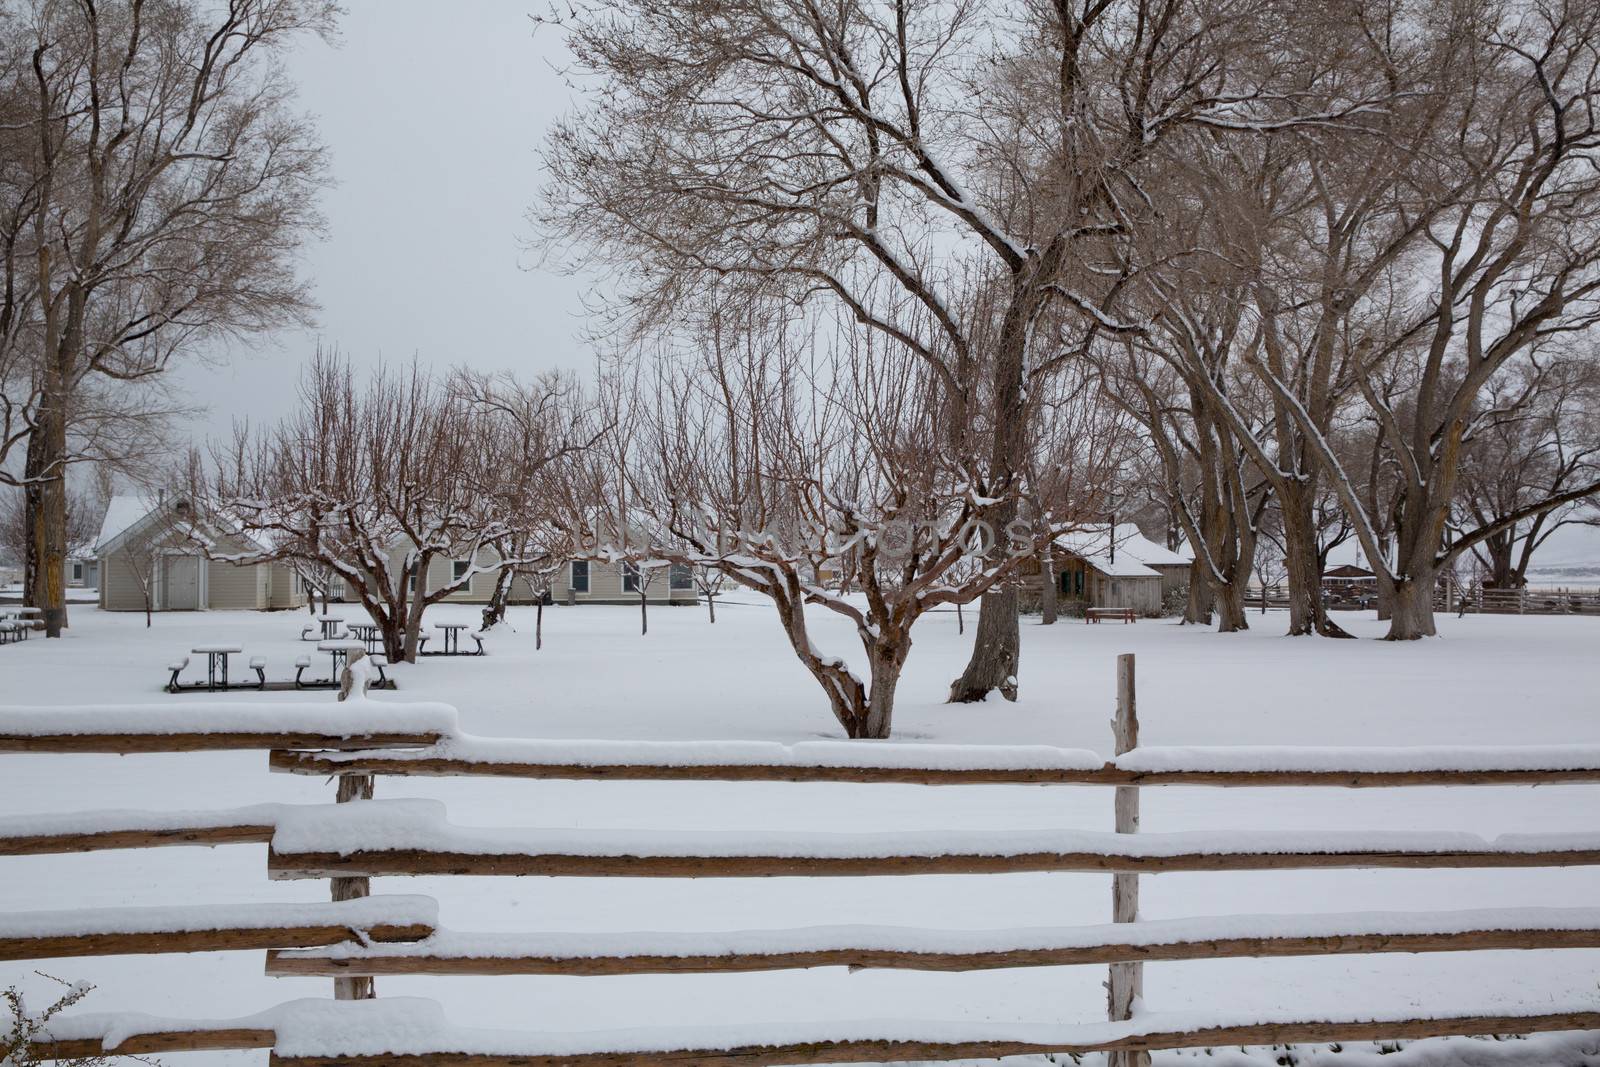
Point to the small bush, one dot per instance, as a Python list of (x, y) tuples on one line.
[(21, 1028)]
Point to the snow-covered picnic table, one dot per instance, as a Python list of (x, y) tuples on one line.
[(452, 639), (216, 662), (366, 632), (339, 650)]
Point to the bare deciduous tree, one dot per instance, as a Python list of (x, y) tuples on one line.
[(160, 185), (831, 154), (778, 457), (1544, 441), (375, 483), (1508, 261)]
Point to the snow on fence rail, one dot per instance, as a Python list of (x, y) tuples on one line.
[(448, 952), (133, 728), (407, 1032), (358, 936), (414, 837), (89, 831), (924, 764), (213, 927)]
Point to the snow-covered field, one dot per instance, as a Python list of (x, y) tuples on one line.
[(1488, 680)]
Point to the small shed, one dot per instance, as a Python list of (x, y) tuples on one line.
[(155, 545), (1094, 568)]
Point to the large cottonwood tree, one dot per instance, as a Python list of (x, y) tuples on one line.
[(949, 175), (160, 184)]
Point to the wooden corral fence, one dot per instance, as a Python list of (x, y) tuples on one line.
[(356, 937), (1523, 601)]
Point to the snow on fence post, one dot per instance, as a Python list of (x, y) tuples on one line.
[(353, 787), (1127, 979), (353, 683)]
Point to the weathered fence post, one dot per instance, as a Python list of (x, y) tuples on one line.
[(353, 680), (1127, 979)]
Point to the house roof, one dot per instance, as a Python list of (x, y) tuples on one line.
[(1135, 554), (122, 513), (129, 511), (1124, 567)]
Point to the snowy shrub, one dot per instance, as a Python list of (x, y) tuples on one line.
[(22, 1027)]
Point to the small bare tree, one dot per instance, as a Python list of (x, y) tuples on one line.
[(536, 432), (374, 483), (772, 454)]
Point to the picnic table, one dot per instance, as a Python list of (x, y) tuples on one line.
[(22, 619), (216, 662), (451, 642), (452, 636), (330, 626), (368, 632), (339, 650)]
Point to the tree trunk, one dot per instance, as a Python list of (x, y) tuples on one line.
[(32, 507), (886, 664), (494, 612), (49, 545), (644, 611), (413, 635), (1303, 568), (997, 651), (538, 623), (394, 639), (711, 606), (1201, 597), (1047, 590), (1412, 606), (994, 651), (1231, 616), (51, 538)]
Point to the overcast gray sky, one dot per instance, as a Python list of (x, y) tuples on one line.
[(433, 114)]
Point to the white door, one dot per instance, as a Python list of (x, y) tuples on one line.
[(183, 583)]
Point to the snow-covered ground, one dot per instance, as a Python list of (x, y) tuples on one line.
[(1489, 680)]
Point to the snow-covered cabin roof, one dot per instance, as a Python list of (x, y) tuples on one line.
[(128, 511), (1135, 554), (122, 513)]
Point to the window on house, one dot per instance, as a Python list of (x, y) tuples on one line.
[(680, 576), (630, 578), (578, 581), (458, 567), (411, 585), (77, 572)]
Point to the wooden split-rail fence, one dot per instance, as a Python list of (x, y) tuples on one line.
[(355, 938), (1521, 601)]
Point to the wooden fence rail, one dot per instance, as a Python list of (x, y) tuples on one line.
[(580, 955), (403, 764), (375, 936), (539, 1053)]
